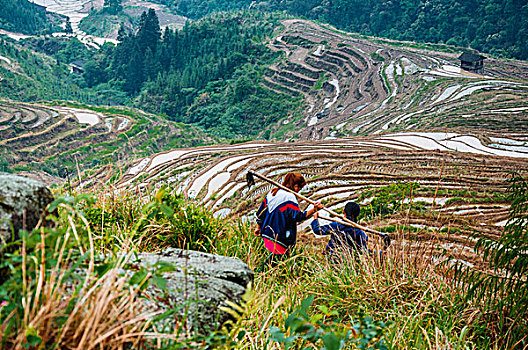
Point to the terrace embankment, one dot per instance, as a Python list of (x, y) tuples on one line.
[(458, 181), (53, 137), (382, 85)]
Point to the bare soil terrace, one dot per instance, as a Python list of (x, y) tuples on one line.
[(461, 182)]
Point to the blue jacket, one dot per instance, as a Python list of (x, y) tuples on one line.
[(278, 216), (341, 236)]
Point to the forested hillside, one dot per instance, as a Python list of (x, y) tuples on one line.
[(207, 73), (25, 17), (495, 26), (29, 76)]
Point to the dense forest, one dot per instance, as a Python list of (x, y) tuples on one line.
[(207, 74), (25, 17), (499, 27)]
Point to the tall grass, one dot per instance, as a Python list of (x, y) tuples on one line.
[(151, 222), (55, 299), (404, 287), (60, 296)]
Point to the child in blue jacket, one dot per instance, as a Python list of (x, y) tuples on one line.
[(343, 237)]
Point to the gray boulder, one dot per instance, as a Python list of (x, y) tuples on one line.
[(22, 201), (200, 284)]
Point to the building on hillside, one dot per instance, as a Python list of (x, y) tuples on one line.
[(472, 62), (77, 67)]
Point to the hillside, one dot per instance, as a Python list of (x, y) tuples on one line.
[(454, 176), (207, 74), (358, 85), (437, 158), (28, 18), (311, 80), (106, 20), (27, 75), (493, 26), (386, 124), (253, 75), (65, 137)]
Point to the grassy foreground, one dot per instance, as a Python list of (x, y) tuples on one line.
[(65, 287)]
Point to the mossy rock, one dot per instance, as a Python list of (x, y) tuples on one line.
[(22, 202)]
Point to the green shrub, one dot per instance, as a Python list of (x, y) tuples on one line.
[(377, 57), (171, 221), (387, 200), (166, 220), (502, 291), (301, 329)]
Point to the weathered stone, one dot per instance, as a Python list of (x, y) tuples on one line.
[(22, 201), (202, 283)]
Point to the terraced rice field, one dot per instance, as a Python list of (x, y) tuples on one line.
[(380, 116), (76, 10), (354, 85), (458, 135), (461, 180), (32, 134)]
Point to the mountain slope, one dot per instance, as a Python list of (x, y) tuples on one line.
[(28, 75), (397, 121), (207, 74), (56, 137), (25, 17), (354, 84), (494, 26)]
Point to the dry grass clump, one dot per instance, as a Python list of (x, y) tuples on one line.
[(55, 298)]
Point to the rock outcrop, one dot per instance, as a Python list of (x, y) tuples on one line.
[(22, 201), (199, 285)]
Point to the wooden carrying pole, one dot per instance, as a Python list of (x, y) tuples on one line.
[(346, 221)]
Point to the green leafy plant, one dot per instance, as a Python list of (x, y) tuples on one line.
[(301, 329), (173, 222), (502, 291), (166, 220), (388, 199)]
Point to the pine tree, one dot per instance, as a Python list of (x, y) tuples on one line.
[(122, 33), (68, 28), (149, 32)]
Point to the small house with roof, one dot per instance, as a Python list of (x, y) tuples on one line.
[(472, 62), (77, 67)]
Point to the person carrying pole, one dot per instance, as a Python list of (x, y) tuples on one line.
[(277, 218), (344, 238)]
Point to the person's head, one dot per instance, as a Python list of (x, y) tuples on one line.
[(293, 181), (352, 211)]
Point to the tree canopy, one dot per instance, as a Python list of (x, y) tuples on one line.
[(208, 73), (498, 27), (24, 17)]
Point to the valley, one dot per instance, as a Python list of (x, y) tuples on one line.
[(377, 114), (146, 142)]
